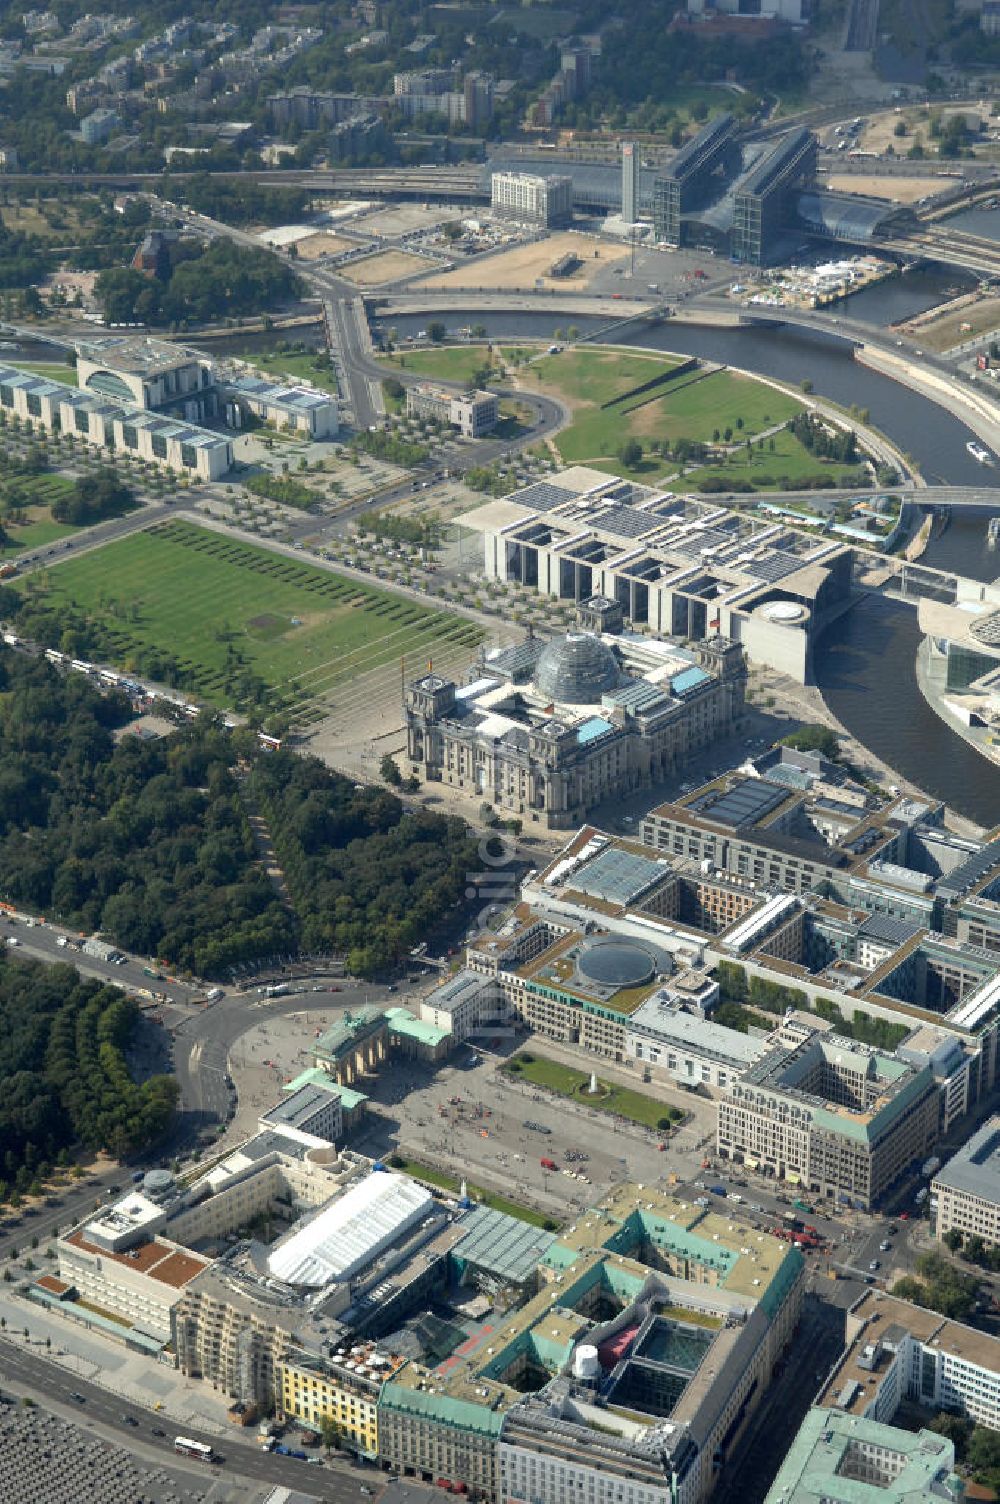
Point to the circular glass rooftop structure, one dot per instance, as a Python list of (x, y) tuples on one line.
[(617, 963), (577, 669), (987, 629)]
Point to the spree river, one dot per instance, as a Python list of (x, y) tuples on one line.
[(866, 663)]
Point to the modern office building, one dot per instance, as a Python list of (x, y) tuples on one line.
[(846, 1459), (765, 201), (108, 424), (965, 1193), (532, 200), (630, 182), (841, 1120), (300, 409), (151, 373), (472, 413), (696, 173), (897, 1351), (547, 730), (681, 568)]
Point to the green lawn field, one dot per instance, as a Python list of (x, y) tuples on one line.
[(38, 528), (52, 370), (488, 1198), (295, 368), (695, 407), (567, 1082), (593, 375), (457, 363), (789, 460), (303, 630)]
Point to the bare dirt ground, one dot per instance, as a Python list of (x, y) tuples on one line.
[(902, 190), (322, 244), (402, 219), (526, 265), (962, 322), (384, 266)]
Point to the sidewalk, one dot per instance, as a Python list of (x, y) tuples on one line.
[(99, 1359)]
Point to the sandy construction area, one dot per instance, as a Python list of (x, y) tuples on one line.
[(904, 190), (527, 264), (384, 266), (403, 219), (965, 321), (322, 244)]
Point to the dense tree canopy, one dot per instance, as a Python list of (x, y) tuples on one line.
[(366, 877), (92, 498), (149, 841), (202, 284), (146, 841), (63, 1076)]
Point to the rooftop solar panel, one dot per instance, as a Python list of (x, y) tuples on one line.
[(967, 873), (616, 876), (774, 566), (744, 803), (542, 496)]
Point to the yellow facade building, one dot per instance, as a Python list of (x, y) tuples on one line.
[(343, 1389)]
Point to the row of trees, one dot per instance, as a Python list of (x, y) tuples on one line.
[(63, 1076), (976, 1447), (743, 991), (366, 877), (974, 1249), (201, 285)]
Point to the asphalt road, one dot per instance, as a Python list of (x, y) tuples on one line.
[(41, 943), (20, 1367), (202, 1040)]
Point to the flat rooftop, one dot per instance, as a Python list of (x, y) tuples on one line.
[(826, 1464), (161, 1262), (975, 1169), (886, 1319), (299, 1108), (136, 355)]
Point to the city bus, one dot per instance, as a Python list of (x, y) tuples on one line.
[(189, 1448)]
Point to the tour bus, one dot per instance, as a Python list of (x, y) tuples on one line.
[(189, 1448)]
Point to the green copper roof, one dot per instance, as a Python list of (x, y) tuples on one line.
[(317, 1076), (462, 1414), (831, 1456)]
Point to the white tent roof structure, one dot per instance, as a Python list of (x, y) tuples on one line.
[(351, 1231)]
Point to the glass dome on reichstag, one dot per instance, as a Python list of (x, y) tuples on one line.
[(577, 669)]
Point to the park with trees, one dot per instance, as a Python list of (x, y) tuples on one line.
[(64, 1080), (199, 284)]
